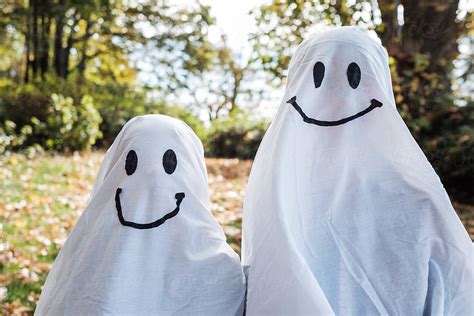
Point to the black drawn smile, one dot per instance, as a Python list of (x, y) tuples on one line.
[(373, 104), (178, 196)]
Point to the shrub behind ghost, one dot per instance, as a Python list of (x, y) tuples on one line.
[(235, 136), (69, 126), (62, 126)]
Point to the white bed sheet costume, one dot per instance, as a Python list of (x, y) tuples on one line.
[(341, 198), (147, 242)]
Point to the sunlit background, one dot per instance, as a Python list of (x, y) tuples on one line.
[(73, 72)]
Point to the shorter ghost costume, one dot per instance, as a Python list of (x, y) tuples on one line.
[(341, 198), (147, 243)]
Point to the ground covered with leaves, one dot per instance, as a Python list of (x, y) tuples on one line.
[(41, 198)]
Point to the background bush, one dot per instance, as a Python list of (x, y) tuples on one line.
[(23, 103), (117, 105), (10, 139), (181, 113), (69, 126), (59, 116), (448, 143), (236, 136), (33, 116)]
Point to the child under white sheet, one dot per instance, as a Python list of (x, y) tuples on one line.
[(147, 243), (342, 205)]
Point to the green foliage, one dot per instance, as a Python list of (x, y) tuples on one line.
[(63, 117), (10, 139), (23, 103), (178, 112), (70, 126), (93, 38), (449, 145), (53, 122), (116, 105), (420, 93), (236, 136)]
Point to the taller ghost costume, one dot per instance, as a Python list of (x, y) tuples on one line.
[(341, 198), (147, 242)]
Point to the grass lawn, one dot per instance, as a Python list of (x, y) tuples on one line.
[(42, 197)]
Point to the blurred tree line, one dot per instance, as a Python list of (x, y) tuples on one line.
[(69, 71)]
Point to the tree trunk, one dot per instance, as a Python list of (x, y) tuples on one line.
[(27, 45), (45, 37), (66, 52), (58, 38), (237, 74), (35, 38), (424, 48), (390, 31), (430, 27), (81, 67)]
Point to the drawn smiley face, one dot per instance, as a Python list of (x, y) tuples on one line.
[(170, 163), (353, 74)]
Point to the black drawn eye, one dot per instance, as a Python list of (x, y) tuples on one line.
[(131, 162), (353, 75), (169, 161), (318, 74)]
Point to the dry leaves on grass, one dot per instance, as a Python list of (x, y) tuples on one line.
[(227, 183), (41, 200)]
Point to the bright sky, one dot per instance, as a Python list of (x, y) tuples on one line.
[(233, 19)]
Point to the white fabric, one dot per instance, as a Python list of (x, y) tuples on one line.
[(184, 266), (353, 209)]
